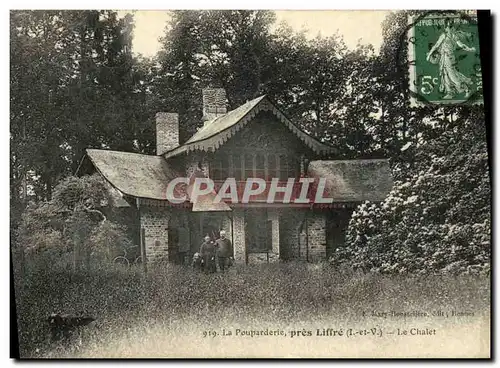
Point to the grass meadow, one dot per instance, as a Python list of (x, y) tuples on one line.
[(169, 311)]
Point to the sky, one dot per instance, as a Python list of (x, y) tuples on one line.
[(364, 26)]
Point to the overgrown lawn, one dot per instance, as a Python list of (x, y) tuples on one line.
[(128, 304)]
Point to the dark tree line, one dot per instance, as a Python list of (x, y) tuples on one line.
[(74, 84)]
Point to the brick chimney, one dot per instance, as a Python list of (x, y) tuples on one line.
[(214, 103), (167, 132)]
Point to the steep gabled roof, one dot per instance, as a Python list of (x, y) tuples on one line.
[(353, 180), (223, 122), (217, 131)]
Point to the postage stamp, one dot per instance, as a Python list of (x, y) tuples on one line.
[(444, 61)]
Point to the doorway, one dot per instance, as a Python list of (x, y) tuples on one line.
[(202, 224), (178, 239), (337, 221), (258, 231)]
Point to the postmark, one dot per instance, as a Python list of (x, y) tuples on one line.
[(443, 59)]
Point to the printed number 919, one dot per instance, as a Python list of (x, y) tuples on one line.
[(209, 333), (427, 84)]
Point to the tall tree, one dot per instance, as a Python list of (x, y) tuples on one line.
[(210, 48), (324, 87), (39, 73), (74, 84)]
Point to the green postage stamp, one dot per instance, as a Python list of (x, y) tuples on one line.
[(444, 62)]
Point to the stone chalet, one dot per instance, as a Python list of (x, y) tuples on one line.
[(255, 140)]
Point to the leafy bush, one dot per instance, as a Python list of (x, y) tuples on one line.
[(435, 220), (73, 221), (108, 240)]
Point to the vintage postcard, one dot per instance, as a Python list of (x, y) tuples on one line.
[(250, 184)]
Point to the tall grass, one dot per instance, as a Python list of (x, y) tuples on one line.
[(124, 299)]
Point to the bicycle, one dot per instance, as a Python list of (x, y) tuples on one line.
[(124, 259)]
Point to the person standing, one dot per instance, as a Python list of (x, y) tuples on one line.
[(224, 251), (207, 252)]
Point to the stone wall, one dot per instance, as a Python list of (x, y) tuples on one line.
[(303, 239), (239, 236), (155, 223), (316, 228), (288, 234)]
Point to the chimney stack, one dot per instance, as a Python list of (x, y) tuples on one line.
[(214, 103), (167, 132)]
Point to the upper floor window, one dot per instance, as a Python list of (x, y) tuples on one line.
[(249, 165), (260, 166), (237, 165), (220, 168), (244, 165), (288, 168)]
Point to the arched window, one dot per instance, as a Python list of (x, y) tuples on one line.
[(260, 165)]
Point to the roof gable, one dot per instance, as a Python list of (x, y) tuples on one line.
[(223, 122), (217, 131)]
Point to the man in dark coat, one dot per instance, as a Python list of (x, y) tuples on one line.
[(224, 251), (207, 252)]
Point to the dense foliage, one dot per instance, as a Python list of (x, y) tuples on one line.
[(77, 222), (74, 84), (437, 217)]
